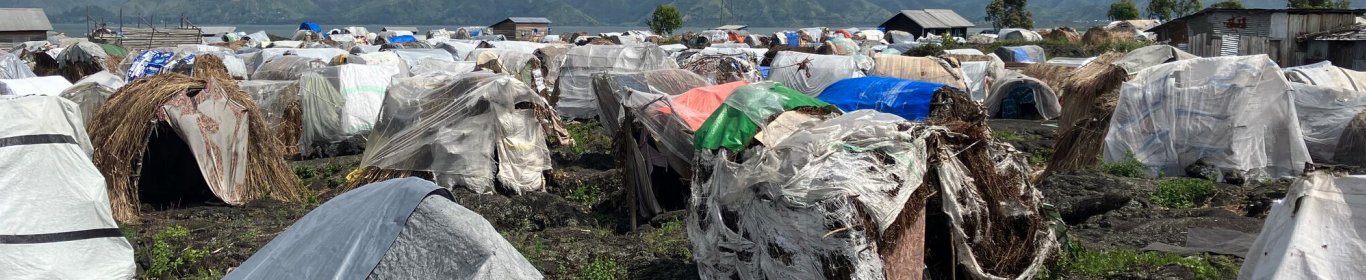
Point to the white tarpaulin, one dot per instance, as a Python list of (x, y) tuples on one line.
[(11, 67), (1314, 233), (1325, 74), (46, 85), (1235, 113), (575, 90), (1324, 113), (362, 89), (811, 73), (54, 208)]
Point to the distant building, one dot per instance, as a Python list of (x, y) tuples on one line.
[(1278, 33), (18, 25), (732, 27), (1344, 47), (522, 28), (929, 21)]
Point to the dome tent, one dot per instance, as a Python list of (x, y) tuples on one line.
[(56, 215), (1017, 96), (396, 229)]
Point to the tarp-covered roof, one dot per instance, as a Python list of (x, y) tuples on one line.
[(905, 98), (24, 19), (937, 18), (735, 123)]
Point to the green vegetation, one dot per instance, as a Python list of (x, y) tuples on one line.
[(1007, 136), (601, 269), (167, 262), (586, 195), (669, 239), (1040, 158), (1227, 4), (1129, 167), (305, 172), (1123, 10), (587, 138), (1118, 263), (1010, 14), (1183, 192), (1318, 4), (531, 247), (665, 19), (1188, 7)]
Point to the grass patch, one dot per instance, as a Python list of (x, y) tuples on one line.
[(168, 261), (1008, 136), (601, 269), (1116, 263), (588, 137), (586, 195), (305, 172), (670, 239), (1183, 192), (1040, 158), (1129, 167), (531, 247)]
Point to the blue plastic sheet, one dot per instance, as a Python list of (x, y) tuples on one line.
[(311, 26), (402, 39), (793, 40), (908, 99)]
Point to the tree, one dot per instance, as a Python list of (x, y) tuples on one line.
[(1010, 13), (1228, 4), (1161, 9), (1123, 10), (1318, 4), (665, 20), (1188, 7)]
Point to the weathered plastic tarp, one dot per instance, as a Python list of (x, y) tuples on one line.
[(412, 56), (1150, 56), (468, 132), (1017, 96), (57, 218), (907, 99), (47, 85), (980, 75), (286, 68), (362, 89), (925, 69), (1235, 113), (575, 89), (1324, 113), (1022, 54), (1325, 74), (1017, 34), (733, 125), (429, 66), (695, 105), (88, 97), (11, 67), (266, 55), (1314, 233), (811, 73), (458, 50), (517, 46), (404, 228)]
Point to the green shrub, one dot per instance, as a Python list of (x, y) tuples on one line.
[(670, 239), (588, 137), (167, 262), (1129, 167), (1115, 263), (1040, 158), (1183, 192), (586, 195), (1007, 136), (601, 269)]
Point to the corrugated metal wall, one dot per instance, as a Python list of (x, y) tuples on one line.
[(1273, 34)]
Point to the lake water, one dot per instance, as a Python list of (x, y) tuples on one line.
[(286, 30)]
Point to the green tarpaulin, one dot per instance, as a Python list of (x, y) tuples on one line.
[(114, 50), (734, 124)]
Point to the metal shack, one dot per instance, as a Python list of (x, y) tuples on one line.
[(1274, 32), (22, 25), (1345, 47), (928, 21), (522, 28)]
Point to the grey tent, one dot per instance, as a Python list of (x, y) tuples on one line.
[(404, 228), (1017, 96)]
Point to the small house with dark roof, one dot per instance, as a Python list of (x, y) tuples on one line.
[(928, 21), (522, 28), (18, 25), (1281, 34)]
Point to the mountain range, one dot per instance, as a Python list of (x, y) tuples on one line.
[(773, 13)]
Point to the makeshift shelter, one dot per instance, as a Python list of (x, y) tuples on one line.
[(85, 58), (311, 26), (340, 102), (1325, 74), (1172, 115), (46, 85), (524, 66), (431, 66), (88, 97), (830, 197), (1331, 121), (811, 73), (172, 139), (468, 131), (1022, 54), (412, 56), (396, 229), (279, 102), (1313, 233), (1096, 36), (1018, 35), (1017, 96), (1064, 34), (57, 220), (904, 98), (655, 113), (722, 69), (574, 96), (927, 69), (12, 67), (286, 68), (254, 60), (1053, 75), (552, 57)]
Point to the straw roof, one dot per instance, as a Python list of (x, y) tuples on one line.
[(1091, 95)]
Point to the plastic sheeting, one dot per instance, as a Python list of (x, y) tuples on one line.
[(266, 55), (412, 56), (1324, 113), (1022, 54), (1325, 74), (811, 73), (907, 99), (926, 69), (88, 97), (734, 124), (575, 87), (468, 132), (286, 68), (1235, 113), (11, 67), (1017, 96), (53, 190), (1017, 34), (1313, 233), (47, 85), (397, 229), (430, 66), (517, 46), (362, 89), (458, 50), (1150, 56), (693, 107), (980, 75)]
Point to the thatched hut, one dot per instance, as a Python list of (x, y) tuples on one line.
[(172, 139), (279, 102), (1096, 36), (1065, 34), (1053, 75), (85, 58)]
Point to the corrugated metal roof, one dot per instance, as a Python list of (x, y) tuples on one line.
[(731, 27), (937, 18), (215, 30), (1353, 33), (529, 20), (24, 19)]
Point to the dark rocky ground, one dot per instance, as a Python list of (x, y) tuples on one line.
[(579, 229)]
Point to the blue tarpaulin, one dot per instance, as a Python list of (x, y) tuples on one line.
[(793, 40), (402, 39), (905, 98), (1022, 54), (311, 26)]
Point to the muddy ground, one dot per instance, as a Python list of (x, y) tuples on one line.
[(579, 229)]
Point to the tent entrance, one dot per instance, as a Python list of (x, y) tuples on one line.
[(170, 174), (1019, 103)]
